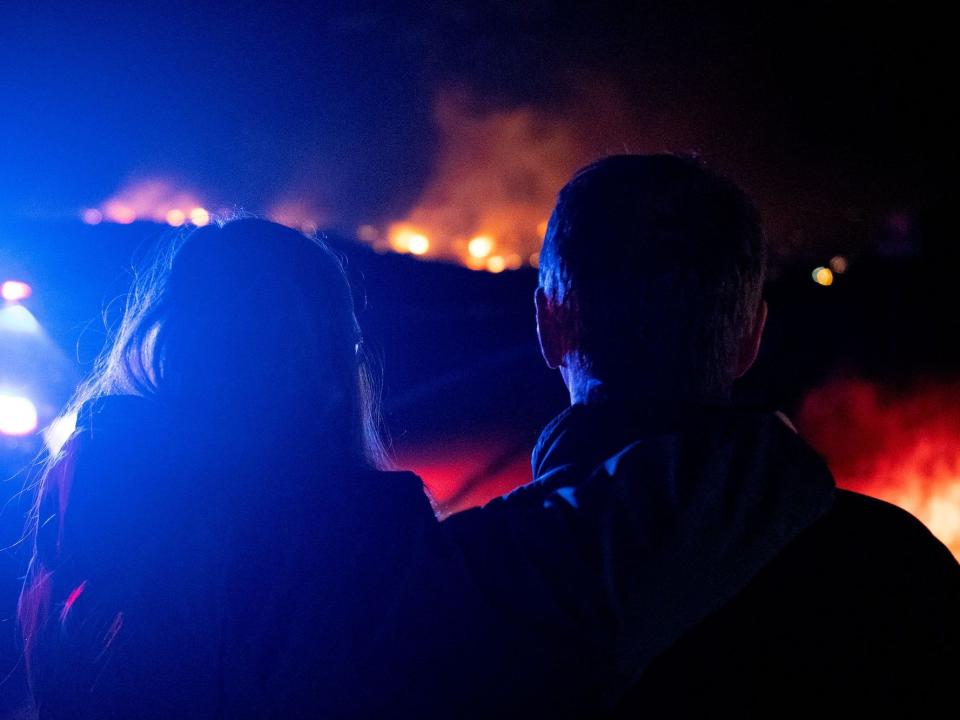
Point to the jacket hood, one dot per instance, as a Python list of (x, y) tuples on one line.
[(744, 451), (695, 504)]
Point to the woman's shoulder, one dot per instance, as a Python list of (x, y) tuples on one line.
[(394, 478), (115, 428), (115, 470), (399, 492), (116, 413)]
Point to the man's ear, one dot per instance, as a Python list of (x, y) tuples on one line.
[(750, 348), (548, 330)]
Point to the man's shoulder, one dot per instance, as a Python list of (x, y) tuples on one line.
[(855, 507), (859, 523), (863, 553), (861, 605)]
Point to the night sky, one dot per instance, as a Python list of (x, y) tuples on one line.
[(831, 118)]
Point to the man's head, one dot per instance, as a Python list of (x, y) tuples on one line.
[(651, 275)]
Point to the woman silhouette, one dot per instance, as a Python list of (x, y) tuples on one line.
[(221, 503)]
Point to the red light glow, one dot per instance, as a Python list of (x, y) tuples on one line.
[(462, 473), (902, 448)]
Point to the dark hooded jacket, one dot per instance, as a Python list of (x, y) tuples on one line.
[(183, 581), (858, 615)]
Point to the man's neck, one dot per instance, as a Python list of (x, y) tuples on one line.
[(587, 389), (584, 388)]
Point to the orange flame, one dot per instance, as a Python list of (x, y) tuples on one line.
[(902, 448), (496, 177), (153, 199)]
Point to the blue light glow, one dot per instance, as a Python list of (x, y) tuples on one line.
[(17, 319)]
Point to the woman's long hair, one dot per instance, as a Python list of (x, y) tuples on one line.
[(247, 323), (248, 330)]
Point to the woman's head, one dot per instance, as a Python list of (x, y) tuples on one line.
[(248, 327), (245, 334)]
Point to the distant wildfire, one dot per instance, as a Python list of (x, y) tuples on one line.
[(495, 176), (497, 173), (152, 199), (902, 447), (486, 205), (494, 182)]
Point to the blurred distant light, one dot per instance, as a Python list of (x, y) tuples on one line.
[(368, 233), (92, 216), (120, 213), (419, 244), (175, 217), (18, 415), (513, 261), (56, 434), (496, 264), (16, 318), (480, 246), (839, 264), (823, 276), (199, 216), (13, 290), (542, 229), (535, 259), (406, 239)]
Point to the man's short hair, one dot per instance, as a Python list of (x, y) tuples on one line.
[(661, 264)]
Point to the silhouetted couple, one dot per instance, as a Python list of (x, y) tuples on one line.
[(218, 539)]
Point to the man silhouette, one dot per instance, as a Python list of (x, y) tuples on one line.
[(650, 307)]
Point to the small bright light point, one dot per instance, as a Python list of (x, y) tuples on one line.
[(16, 318), (405, 239), (839, 264), (480, 246), (199, 216), (496, 264), (823, 276), (56, 434), (418, 244), (175, 217), (18, 416), (14, 290), (92, 216)]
